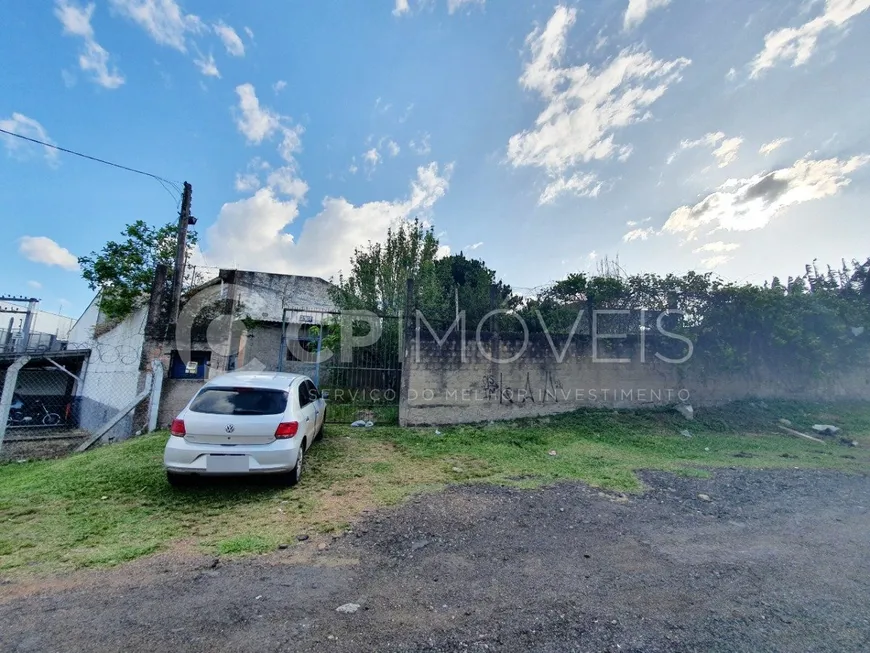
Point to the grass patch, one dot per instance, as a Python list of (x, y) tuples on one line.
[(251, 544), (113, 504)]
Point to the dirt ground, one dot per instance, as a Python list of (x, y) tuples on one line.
[(773, 561)]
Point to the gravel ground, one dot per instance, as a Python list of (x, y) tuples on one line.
[(16, 448), (764, 561)]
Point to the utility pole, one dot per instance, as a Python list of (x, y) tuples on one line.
[(184, 220)]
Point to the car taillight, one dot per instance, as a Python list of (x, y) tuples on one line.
[(178, 429), (287, 430)]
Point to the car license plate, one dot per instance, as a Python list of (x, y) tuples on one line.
[(226, 464)]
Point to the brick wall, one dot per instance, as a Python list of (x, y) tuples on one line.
[(440, 388)]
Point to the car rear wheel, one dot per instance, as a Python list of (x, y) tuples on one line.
[(293, 477)]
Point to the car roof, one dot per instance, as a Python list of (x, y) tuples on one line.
[(255, 380)]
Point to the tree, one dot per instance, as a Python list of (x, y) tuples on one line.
[(472, 280), (811, 323), (379, 272), (123, 271)]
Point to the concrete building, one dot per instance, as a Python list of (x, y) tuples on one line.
[(47, 330), (235, 322)]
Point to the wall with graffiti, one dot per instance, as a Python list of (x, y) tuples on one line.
[(501, 378)]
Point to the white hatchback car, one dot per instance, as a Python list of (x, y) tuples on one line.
[(246, 423)]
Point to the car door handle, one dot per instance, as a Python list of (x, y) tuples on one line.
[(307, 419)]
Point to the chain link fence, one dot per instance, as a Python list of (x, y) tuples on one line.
[(54, 404)]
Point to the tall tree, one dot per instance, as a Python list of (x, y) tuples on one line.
[(123, 271), (379, 272), (470, 281)]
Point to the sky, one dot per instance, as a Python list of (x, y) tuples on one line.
[(726, 137)]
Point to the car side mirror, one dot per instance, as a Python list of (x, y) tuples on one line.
[(324, 394)]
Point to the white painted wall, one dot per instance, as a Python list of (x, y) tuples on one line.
[(83, 329), (111, 379)]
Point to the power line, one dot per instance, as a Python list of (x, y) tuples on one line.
[(92, 158)]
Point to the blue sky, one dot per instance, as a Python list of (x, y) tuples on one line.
[(540, 137)]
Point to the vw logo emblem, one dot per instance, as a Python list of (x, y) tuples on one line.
[(230, 428)]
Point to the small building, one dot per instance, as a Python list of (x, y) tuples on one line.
[(233, 321)]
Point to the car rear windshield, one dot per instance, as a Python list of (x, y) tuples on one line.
[(240, 401)]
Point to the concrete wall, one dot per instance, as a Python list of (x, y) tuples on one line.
[(260, 348), (439, 388), (112, 378), (175, 396), (263, 296)]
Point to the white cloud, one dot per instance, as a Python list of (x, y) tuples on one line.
[(474, 246), (407, 114), (715, 261), (455, 5), (579, 184), (585, 106), (638, 234), (34, 284), (635, 223), (249, 32), (724, 149), (717, 248), (21, 124), (727, 151), (279, 86), (443, 252), (770, 148), (40, 249), (354, 168), (797, 44), (372, 157), (251, 233), (257, 124), (94, 58), (231, 40), (207, 65), (247, 182), (421, 146), (731, 75), (253, 121), (403, 7), (639, 9), (747, 204), (286, 181), (291, 142), (393, 148), (164, 20)]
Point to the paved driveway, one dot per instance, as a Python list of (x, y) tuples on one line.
[(773, 561)]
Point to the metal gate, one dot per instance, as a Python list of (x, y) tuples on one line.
[(356, 357)]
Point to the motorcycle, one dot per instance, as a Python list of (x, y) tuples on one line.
[(18, 414)]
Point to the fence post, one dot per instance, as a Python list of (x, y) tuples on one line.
[(319, 350), (8, 391), (406, 337), (156, 390)]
